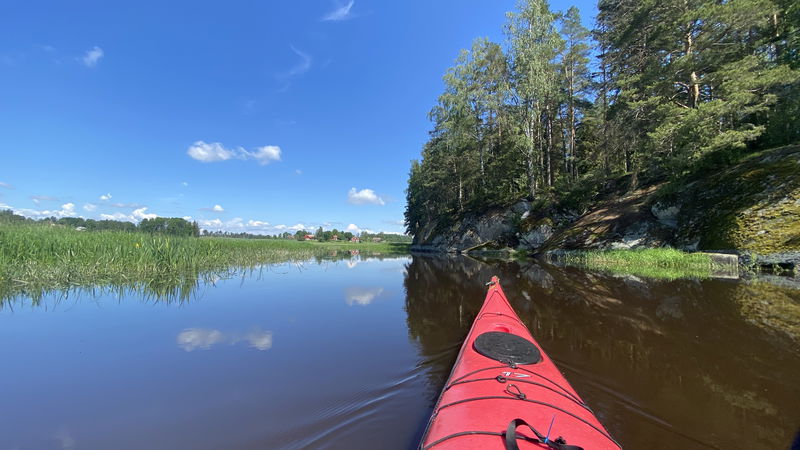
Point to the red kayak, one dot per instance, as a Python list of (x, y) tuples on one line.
[(505, 393)]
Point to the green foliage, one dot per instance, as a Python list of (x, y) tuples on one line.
[(678, 82)]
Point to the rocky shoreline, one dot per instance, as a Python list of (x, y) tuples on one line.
[(751, 210)]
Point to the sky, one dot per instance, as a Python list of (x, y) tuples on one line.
[(254, 116)]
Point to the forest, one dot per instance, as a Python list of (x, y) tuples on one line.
[(655, 91)]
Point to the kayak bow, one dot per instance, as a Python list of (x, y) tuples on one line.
[(505, 393)]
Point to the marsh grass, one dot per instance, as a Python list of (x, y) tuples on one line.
[(663, 263), (36, 258)]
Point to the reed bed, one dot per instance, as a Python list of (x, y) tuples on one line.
[(35, 258)]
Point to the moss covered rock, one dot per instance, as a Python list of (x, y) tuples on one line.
[(752, 206)]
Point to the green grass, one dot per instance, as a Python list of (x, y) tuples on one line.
[(661, 263), (36, 258)]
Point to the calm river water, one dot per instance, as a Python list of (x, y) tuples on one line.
[(353, 353)]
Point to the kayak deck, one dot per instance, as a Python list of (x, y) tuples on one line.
[(502, 375)]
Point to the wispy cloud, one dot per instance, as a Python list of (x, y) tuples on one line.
[(215, 152), (42, 198), (92, 57), (302, 66), (105, 197), (340, 12), (89, 207), (184, 184), (364, 197), (298, 172), (6, 185), (125, 205)]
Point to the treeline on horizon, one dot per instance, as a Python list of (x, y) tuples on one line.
[(173, 226), (320, 236), (176, 226), (674, 84)]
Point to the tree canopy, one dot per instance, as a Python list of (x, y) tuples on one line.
[(672, 81)]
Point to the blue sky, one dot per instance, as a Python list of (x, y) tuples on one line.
[(244, 116)]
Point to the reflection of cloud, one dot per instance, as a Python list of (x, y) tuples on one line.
[(199, 338), (261, 340), (352, 263), (361, 296), (194, 338)]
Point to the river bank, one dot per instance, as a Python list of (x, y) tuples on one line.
[(750, 209)]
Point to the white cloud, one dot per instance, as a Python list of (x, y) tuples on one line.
[(187, 218), (140, 214), (135, 216), (215, 151), (213, 224), (92, 57), (89, 207), (266, 154), (105, 197), (238, 225), (6, 185), (185, 184), (67, 210), (199, 338), (353, 228), (212, 152), (361, 296), (215, 208), (341, 12), (117, 216), (364, 197)]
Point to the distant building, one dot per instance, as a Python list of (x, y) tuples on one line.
[(355, 239), (376, 239), (308, 237), (335, 237)]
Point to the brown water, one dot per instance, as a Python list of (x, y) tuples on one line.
[(352, 354)]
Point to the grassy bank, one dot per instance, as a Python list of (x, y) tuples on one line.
[(35, 258), (654, 263)]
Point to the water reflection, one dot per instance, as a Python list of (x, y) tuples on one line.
[(361, 296), (678, 361), (203, 339), (174, 287)]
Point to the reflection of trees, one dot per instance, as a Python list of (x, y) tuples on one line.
[(640, 351)]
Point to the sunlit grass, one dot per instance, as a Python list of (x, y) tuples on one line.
[(664, 263), (35, 257)]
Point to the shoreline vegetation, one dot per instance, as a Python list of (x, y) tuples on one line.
[(662, 263), (36, 258)]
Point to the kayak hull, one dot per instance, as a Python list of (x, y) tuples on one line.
[(493, 384)]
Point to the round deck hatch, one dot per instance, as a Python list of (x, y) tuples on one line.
[(507, 347)]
